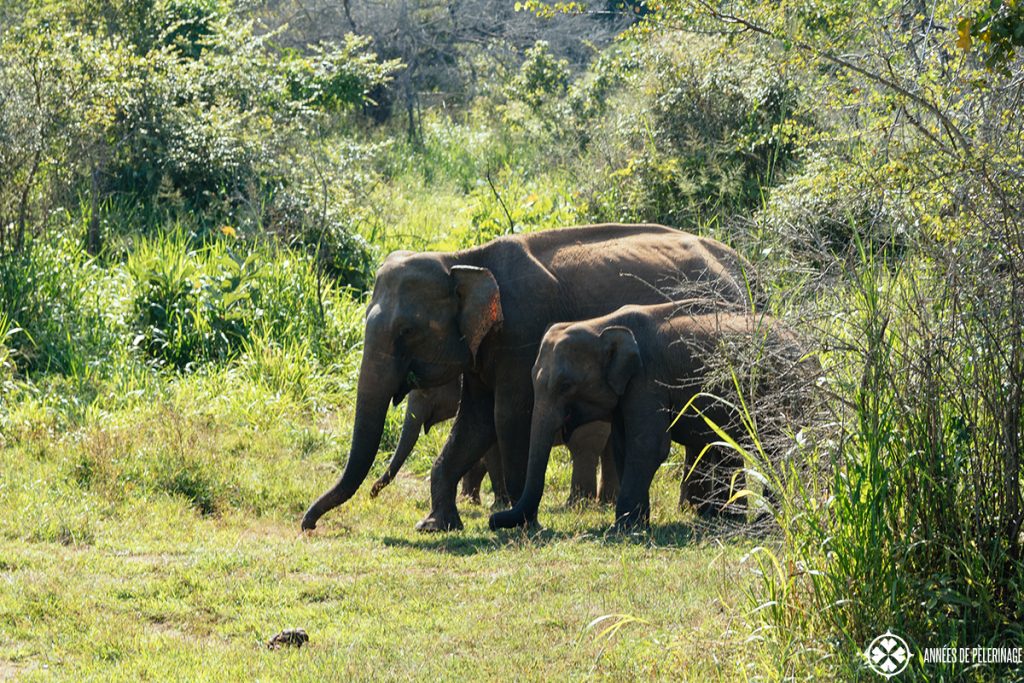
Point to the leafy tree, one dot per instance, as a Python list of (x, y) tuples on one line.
[(175, 106), (453, 51)]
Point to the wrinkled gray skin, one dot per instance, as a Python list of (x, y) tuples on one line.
[(589, 443), (482, 312), (638, 368)]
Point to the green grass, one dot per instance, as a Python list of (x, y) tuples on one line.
[(160, 541)]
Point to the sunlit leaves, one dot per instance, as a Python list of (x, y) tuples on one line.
[(179, 106), (999, 26), (333, 76), (963, 33), (546, 10)]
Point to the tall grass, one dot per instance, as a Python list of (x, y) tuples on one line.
[(915, 527)]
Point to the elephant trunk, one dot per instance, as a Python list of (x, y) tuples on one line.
[(411, 428), (379, 382), (543, 429)]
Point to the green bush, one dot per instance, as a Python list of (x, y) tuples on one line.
[(178, 108), (914, 524), (833, 208), (186, 25), (65, 312), (203, 301), (694, 132), (542, 78), (324, 228), (177, 301), (191, 305)]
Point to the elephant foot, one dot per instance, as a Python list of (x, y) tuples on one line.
[(440, 522), (510, 519), (581, 494), (470, 493), (729, 514), (630, 526), (472, 497), (630, 522)]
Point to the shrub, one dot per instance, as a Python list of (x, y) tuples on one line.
[(199, 301), (694, 132), (65, 312), (176, 107), (917, 524), (191, 305), (324, 227), (542, 78), (832, 208)]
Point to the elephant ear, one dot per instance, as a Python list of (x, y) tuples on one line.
[(479, 304), (623, 357)]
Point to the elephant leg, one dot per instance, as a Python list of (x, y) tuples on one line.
[(684, 483), (609, 489), (585, 445), (583, 485), (492, 461), (730, 478), (471, 482), (647, 446), (698, 483), (471, 436), (513, 406), (617, 442)]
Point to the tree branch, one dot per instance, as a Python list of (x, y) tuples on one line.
[(511, 223)]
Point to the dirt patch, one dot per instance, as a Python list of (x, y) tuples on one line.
[(11, 671)]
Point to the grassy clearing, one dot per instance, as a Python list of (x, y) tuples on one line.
[(162, 543)]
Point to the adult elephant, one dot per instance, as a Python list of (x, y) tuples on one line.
[(482, 312)]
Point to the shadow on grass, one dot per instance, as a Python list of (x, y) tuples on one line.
[(671, 535), (458, 543)]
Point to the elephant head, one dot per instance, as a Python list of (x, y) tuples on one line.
[(580, 373), (424, 325), (578, 378)]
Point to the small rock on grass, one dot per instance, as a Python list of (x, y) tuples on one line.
[(290, 637)]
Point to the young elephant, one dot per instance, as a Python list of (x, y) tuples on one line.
[(639, 367), (428, 407)]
